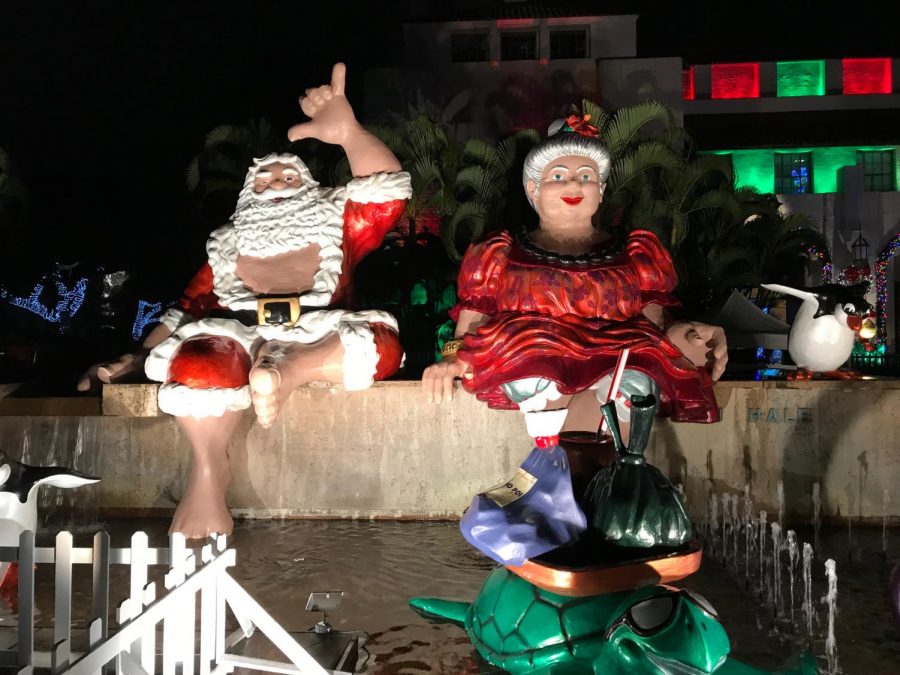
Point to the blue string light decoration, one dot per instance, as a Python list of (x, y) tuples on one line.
[(147, 313), (67, 306)]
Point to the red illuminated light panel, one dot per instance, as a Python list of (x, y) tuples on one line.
[(735, 80), (867, 76), (687, 84)]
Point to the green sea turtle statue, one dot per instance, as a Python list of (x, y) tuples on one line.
[(657, 630)]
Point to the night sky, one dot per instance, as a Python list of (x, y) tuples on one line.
[(103, 104)]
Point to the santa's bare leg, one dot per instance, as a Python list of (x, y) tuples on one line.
[(281, 367), (202, 510)]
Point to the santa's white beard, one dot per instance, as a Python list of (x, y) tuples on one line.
[(265, 228)]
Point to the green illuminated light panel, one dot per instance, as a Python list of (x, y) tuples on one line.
[(756, 168), (800, 78)]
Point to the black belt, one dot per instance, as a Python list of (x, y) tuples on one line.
[(271, 311)]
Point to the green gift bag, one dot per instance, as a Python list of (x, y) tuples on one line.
[(630, 502)]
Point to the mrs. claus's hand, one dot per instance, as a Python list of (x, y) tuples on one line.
[(703, 345)]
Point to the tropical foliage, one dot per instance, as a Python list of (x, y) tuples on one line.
[(216, 174), (464, 185), (721, 236)]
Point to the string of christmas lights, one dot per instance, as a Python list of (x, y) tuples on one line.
[(823, 257), (68, 304), (881, 264), (147, 313)]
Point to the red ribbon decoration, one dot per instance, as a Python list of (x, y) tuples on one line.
[(581, 127)]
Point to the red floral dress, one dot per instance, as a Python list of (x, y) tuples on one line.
[(569, 323)]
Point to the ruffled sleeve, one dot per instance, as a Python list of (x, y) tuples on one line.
[(653, 264), (479, 276)]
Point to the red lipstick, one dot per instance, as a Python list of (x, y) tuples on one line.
[(572, 201)]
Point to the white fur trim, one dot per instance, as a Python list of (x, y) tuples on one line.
[(311, 328), (182, 401), (360, 355), (156, 365), (380, 187), (545, 422)]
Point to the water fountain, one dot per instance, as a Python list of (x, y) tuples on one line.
[(762, 554), (793, 554), (780, 501), (808, 610), (830, 601), (777, 602), (817, 509)]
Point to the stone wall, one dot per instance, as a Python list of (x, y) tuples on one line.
[(386, 452)]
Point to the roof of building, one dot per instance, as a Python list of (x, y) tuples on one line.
[(516, 9)]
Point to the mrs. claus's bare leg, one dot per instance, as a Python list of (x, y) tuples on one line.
[(202, 510), (281, 367)]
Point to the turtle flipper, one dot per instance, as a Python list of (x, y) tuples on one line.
[(806, 666), (453, 611)]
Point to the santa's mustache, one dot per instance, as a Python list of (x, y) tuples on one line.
[(269, 194)]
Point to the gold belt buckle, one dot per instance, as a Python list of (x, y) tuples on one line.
[(278, 311)]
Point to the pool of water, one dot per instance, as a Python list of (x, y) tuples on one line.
[(380, 565)]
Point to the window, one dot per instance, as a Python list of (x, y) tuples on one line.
[(879, 169), (466, 47), (568, 44), (518, 45), (793, 173)]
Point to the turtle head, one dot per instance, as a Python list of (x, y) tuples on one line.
[(665, 629)]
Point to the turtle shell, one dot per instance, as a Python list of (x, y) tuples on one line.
[(519, 627)]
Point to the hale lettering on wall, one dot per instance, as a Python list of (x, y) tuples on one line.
[(779, 415)]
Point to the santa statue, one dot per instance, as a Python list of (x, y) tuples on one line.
[(273, 307)]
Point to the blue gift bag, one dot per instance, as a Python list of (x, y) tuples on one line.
[(531, 513)]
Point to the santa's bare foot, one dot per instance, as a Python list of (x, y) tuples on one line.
[(202, 510), (271, 380)]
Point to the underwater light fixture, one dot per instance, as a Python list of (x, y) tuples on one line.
[(324, 601)]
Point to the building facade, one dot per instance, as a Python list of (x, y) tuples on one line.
[(821, 134)]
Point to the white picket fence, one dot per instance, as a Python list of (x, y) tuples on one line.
[(132, 649)]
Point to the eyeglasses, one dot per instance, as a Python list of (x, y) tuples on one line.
[(651, 615)]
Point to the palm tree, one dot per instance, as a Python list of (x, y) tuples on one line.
[(643, 143), (462, 185), (721, 236), (490, 172), (216, 174), (733, 249)]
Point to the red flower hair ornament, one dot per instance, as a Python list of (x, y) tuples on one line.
[(580, 126)]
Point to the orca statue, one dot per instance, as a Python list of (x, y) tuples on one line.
[(18, 504)]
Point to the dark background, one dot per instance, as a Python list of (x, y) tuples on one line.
[(103, 104)]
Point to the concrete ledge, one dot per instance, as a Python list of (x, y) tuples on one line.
[(386, 453)]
